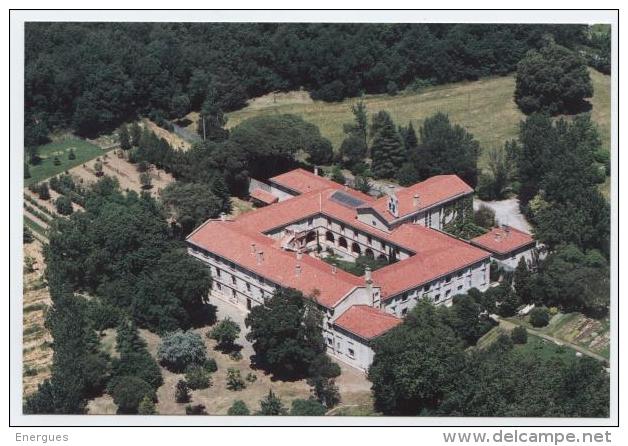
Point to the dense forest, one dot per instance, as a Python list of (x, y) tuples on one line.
[(92, 76)]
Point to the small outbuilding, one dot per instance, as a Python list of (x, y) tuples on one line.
[(507, 245)]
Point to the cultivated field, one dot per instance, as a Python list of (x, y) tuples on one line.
[(485, 107), (124, 171), (46, 168), (36, 347)]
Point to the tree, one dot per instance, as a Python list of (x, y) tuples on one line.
[(225, 334), (125, 141), (494, 185), (27, 236), (519, 335), (180, 349), (63, 205), (220, 189), (509, 304), (353, 150), (387, 148), (553, 79), (27, 171), (523, 282), (307, 408), (286, 333), (190, 204), (238, 408), (135, 134), (360, 128), (539, 317), (414, 363), (129, 392), (197, 377), (182, 392), (484, 217), (197, 409), (320, 152), (43, 191), (71, 155), (98, 169), (464, 317), (337, 175), (147, 406), (212, 120), (234, 380), (446, 149), (407, 174), (271, 405), (146, 180)]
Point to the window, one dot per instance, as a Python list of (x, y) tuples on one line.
[(233, 293), (447, 293), (329, 222), (369, 240), (373, 222), (217, 272), (330, 342), (404, 297), (310, 221), (233, 280), (231, 265), (351, 352), (218, 286), (248, 287), (404, 311), (448, 279), (437, 298)]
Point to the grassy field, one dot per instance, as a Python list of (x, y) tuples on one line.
[(83, 150), (485, 107)]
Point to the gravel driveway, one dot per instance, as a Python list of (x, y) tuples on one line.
[(506, 212)]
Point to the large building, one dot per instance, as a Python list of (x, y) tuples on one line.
[(307, 217)]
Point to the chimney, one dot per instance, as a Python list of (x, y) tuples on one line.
[(333, 269), (297, 270), (415, 200), (260, 257), (367, 275), (223, 216), (369, 286), (299, 255), (316, 170), (253, 249)]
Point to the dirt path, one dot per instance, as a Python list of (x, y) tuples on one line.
[(506, 212), (509, 325), (35, 219)]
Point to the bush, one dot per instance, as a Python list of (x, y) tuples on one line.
[(309, 407), (210, 365), (197, 377), (239, 407), (180, 349), (64, 205), (235, 355), (147, 406), (71, 155), (197, 409), (182, 392), (129, 392), (234, 380), (27, 236), (42, 191), (494, 271), (272, 405), (56, 161), (519, 335), (539, 317), (251, 377), (484, 217)]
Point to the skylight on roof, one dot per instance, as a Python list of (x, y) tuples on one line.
[(345, 199)]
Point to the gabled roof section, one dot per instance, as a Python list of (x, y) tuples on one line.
[(263, 196), (433, 191), (366, 322), (301, 181), (504, 240)]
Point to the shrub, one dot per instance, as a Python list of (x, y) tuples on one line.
[(484, 217), (210, 365), (539, 317), (197, 409), (309, 407), (251, 377), (42, 191), (519, 335), (146, 181), (181, 349), (29, 371), (239, 407), (197, 377), (494, 271), (64, 205), (234, 380), (27, 235), (235, 355), (182, 392), (129, 392), (98, 168), (56, 161), (272, 405), (142, 166), (71, 154), (147, 406)]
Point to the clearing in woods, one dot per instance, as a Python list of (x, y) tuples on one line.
[(485, 107)]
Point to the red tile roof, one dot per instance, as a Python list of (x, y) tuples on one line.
[(432, 191), (503, 240), (302, 181), (366, 322), (437, 254), (263, 196), (231, 240)]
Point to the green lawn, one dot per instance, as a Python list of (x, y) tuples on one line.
[(34, 226), (83, 150), (546, 350), (485, 107)]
